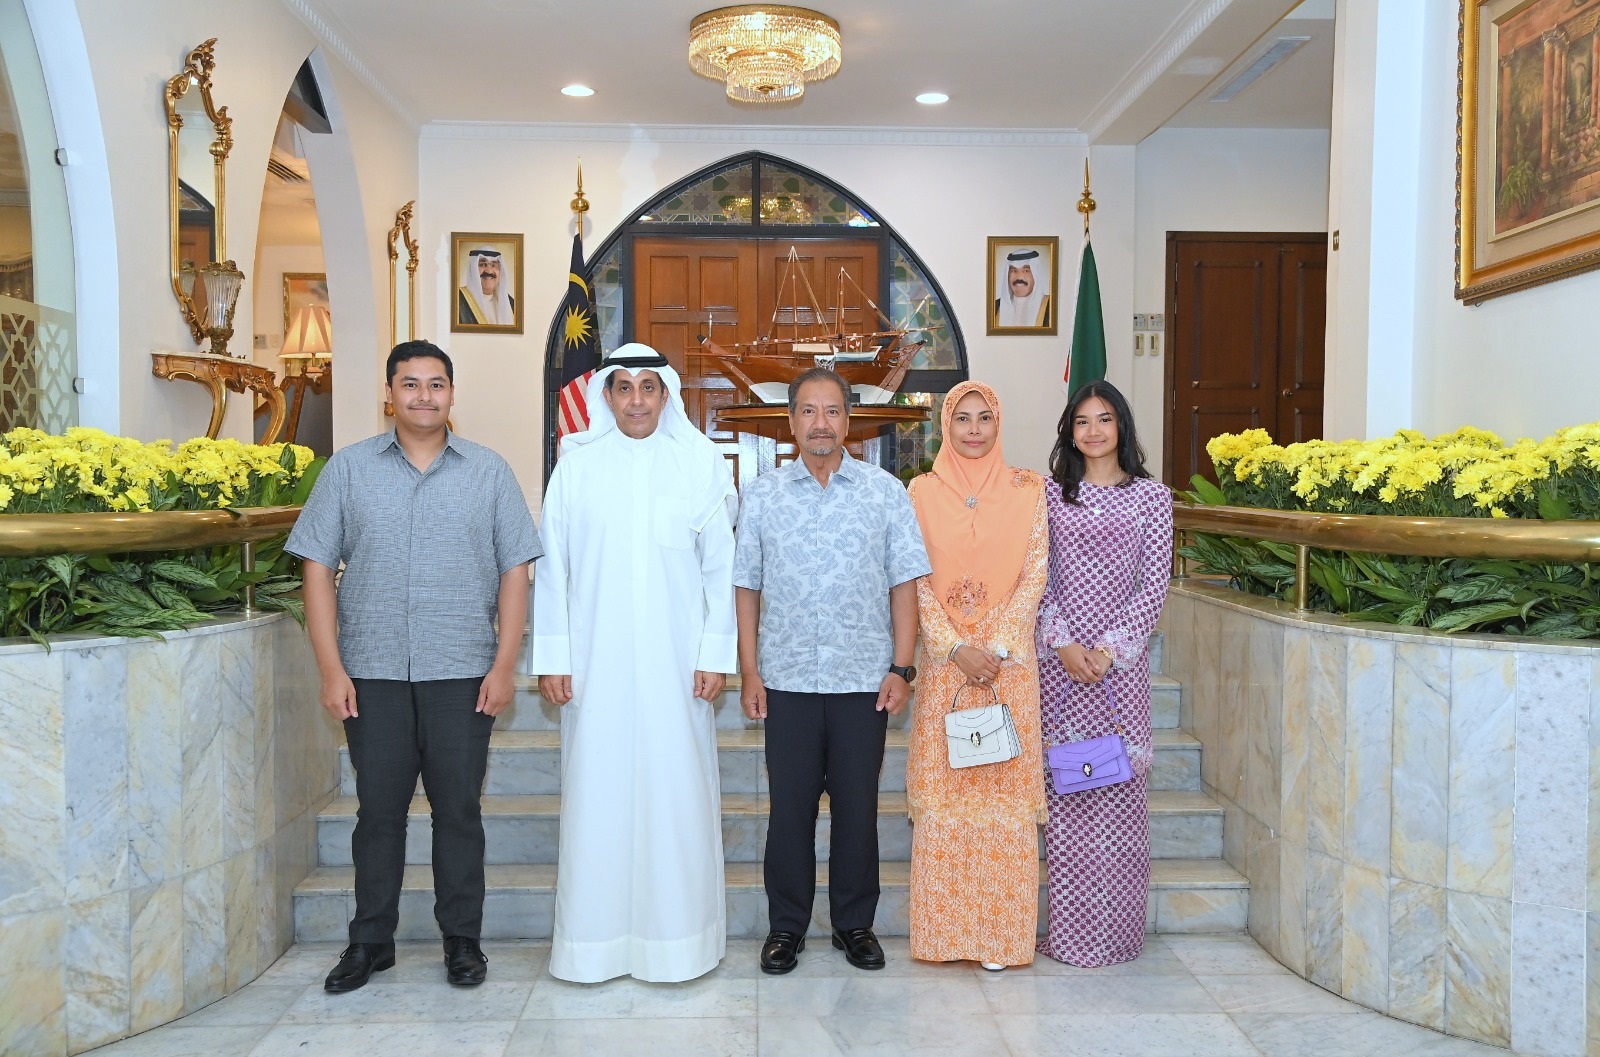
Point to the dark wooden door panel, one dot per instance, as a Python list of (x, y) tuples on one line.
[(1245, 318), (814, 281), (1303, 325)]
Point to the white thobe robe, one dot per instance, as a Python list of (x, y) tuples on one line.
[(634, 593)]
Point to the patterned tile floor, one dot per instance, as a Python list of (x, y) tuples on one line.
[(1188, 996)]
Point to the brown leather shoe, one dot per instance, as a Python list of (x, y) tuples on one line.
[(860, 948), (780, 954)]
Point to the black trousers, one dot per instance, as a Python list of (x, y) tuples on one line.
[(403, 730), (817, 743)]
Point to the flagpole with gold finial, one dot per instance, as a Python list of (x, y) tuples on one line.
[(1085, 201), (580, 205)]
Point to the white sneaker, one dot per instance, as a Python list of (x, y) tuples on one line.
[(993, 967)]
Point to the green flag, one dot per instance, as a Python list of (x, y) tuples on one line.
[(1087, 361)]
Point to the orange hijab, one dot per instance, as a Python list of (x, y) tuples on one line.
[(976, 517)]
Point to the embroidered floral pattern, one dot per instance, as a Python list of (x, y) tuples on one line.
[(976, 842), (967, 595)]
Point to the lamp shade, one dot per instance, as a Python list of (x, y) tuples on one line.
[(310, 334)]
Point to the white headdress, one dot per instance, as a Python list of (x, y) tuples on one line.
[(497, 309), (702, 462), (1022, 311)]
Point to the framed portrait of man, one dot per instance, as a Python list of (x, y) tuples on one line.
[(1023, 276), (486, 283)]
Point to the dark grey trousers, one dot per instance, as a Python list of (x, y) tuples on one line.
[(817, 743), (404, 730)]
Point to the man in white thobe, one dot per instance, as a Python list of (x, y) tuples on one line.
[(633, 628), (484, 297), (1024, 299)]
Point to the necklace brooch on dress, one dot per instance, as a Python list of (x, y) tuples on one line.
[(972, 502)]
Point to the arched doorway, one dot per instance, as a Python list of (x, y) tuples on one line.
[(718, 237)]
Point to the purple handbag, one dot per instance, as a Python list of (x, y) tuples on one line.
[(1079, 765)]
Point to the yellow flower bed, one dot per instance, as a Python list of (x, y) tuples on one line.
[(1467, 473), (86, 471)]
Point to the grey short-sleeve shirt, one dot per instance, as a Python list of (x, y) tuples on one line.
[(824, 560), (422, 552)]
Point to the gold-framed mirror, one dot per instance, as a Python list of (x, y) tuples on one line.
[(199, 137), (402, 277)]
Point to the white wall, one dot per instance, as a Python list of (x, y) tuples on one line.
[(368, 171), (1213, 180), (943, 199), (1521, 365)]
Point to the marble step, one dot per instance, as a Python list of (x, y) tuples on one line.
[(529, 711), (1186, 896), (529, 761), (525, 829)]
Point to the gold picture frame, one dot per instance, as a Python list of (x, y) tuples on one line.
[(1015, 260), (1527, 124), (301, 289), (471, 311)]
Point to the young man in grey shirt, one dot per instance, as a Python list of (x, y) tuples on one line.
[(435, 539)]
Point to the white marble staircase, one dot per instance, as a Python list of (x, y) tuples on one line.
[(1192, 889)]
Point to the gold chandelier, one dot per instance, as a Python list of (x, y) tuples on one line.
[(765, 53)]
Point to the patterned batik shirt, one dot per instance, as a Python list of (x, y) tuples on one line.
[(824, 560), (423, 553)]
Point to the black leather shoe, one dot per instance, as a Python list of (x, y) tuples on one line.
[(860, 948), (464, 961), (357, 964), (781, 953)]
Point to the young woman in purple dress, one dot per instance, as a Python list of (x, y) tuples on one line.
[(1110, 559)]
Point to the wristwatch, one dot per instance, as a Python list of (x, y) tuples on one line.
[(908, 672)]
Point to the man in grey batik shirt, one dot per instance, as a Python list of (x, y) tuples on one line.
[(435, 539), (825, 572)]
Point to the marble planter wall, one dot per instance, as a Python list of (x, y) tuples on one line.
[(1418, 814), (158, 805)]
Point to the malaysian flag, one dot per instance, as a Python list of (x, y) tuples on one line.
[(580, 349)]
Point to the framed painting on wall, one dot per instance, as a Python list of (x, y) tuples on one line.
[(1528, 142), (1022, 284), (486, 280), (301, 289)]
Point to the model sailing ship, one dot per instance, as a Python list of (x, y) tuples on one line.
[(874, 363)]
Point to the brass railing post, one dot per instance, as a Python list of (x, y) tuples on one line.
[(247, 564), (1302, 577), (1180, 564)]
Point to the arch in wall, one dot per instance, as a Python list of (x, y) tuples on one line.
[(718, 201), (69, 83), (350, 250)]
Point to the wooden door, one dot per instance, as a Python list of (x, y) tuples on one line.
[(1245, 322), (730, 288), (788, 290)]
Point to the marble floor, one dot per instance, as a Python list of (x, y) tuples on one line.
[(1188, 996)]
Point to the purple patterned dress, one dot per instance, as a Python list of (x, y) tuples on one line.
[(1110, 559)]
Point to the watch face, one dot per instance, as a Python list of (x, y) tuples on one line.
[(907, 672)]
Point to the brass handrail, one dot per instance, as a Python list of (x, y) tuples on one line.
[(1561, 542), (37, 535)]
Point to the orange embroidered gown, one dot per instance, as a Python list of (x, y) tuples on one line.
[(975, 839)]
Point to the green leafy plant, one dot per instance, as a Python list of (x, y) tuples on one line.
[(1468, 473), (86, 471)]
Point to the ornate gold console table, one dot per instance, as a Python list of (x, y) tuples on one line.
[(220, 374)]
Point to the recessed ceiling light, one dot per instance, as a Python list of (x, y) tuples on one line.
[(579, 90), (933, 98)]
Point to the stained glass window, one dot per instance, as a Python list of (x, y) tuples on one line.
[(788, 197), (721, 198)]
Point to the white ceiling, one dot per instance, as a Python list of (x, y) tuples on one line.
[(1115, 69)]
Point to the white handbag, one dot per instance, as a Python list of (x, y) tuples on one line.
[(976, 736)]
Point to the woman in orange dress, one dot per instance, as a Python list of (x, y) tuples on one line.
[(975, 840)]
